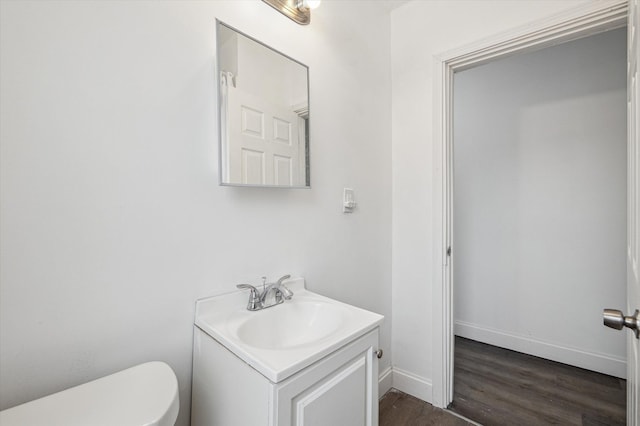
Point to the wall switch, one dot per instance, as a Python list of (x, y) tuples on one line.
[(348, 201)]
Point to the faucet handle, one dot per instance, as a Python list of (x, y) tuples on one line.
[(254, 297), (282, 278), (286, 293), (247, 286)]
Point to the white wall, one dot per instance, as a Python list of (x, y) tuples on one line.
[(112, 220), (540, 201), (269, 75), (420, 30)]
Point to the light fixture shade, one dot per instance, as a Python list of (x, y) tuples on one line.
[(311, 4), (295, 10)]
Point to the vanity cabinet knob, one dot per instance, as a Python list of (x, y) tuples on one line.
[(379, 353)]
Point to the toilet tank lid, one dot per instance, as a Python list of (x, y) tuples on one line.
[(146, 394)]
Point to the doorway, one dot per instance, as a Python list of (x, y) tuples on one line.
[(539, 223), (586, 20), (539, 227)]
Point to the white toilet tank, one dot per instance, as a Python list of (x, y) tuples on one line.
[(146, 394)]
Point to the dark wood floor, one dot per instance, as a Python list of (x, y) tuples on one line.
[(399, 409), (495, 386)]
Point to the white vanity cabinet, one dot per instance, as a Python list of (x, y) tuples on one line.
[(310, 361), (340, 389)]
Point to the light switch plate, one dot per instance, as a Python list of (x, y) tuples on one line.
[(348, 201)]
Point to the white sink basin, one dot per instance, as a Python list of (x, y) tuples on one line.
[(290, 325), (282, 340)]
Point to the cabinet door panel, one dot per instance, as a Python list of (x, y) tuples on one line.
[(340, 400), (340, 390)]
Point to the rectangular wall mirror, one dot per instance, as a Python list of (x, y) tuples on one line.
[(263, 114)]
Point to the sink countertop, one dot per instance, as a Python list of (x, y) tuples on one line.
[(221, 317)]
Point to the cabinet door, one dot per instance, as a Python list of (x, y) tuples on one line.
[(340, 390)]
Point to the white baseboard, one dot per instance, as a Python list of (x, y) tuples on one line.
[(385, 381), (602, 363), (417, 386)]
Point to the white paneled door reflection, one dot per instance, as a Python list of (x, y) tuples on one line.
[(264, 143)]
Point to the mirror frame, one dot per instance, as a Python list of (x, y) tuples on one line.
[(221, 166)]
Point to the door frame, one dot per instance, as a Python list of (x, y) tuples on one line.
[(589, 19)]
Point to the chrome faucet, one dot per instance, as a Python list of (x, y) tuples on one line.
[(280, 290), (257, 299)]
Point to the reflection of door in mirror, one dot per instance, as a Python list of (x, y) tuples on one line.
[(263, 114), (264, 143)]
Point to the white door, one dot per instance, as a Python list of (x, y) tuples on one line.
[(264, 145), (633, 231)]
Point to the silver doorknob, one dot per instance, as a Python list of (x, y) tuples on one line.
[(615, 319)]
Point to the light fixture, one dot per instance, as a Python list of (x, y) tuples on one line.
[(308, 4), (297, 10)]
